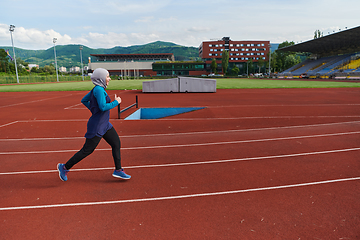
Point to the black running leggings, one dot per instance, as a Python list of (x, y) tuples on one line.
[(111, 137)]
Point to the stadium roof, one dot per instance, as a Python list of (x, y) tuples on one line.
[(347, 41), (137, 56)]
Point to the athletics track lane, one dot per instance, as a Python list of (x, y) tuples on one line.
[(302, 211)]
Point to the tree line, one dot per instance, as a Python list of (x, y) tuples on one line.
[(279, 61), (7, 66)]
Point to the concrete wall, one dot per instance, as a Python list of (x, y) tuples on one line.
[(166, 85), (180, 84), (188, 84)]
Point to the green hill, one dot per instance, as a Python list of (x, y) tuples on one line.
[(69, 55)]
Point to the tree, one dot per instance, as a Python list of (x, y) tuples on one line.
[(291, 60), (260, 64), (250, 65), (235, 71), (281, 55), (34, 70), (318, 34), (213, 65), (4, 61), (225, 61)]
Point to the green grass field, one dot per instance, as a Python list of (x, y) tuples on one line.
[(222, 83)]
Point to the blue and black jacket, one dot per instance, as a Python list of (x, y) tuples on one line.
[(99, 103)]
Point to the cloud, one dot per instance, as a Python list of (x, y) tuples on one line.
[(144, 19), (125, 7), (33, 38), (198, 29)]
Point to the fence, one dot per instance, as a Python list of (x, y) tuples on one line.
[(10, 79)]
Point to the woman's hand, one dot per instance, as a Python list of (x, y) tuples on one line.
[(118, 99)]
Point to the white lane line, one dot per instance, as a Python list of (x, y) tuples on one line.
[(7, 124), (187, 133), (73, 106), (34, 120), (283, 105), (179, 196), (245, 118), (40, 100), (194, 163), (187, 145), (39, 139)]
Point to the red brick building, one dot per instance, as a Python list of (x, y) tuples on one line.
[(239, 52)]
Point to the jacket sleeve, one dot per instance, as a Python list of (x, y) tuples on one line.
[(86, 100), (100, 95)]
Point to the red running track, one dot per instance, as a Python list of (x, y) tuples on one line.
[(254, 164)]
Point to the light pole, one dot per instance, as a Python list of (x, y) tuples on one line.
[(57, 75), (82, 68), (11, 29), (269, 60), (247, 68)]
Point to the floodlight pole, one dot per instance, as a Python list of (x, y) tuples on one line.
[(247, 69), (57, 75), (82, 68), (11, 29), (269, 60)]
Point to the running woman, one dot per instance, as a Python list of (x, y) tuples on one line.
[(98, 126)]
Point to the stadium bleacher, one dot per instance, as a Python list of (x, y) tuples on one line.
[(333, 56)]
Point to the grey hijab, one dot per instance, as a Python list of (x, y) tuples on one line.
[(99, 77)]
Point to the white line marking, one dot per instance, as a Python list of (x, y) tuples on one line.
[(7, 124), (39, 139), (72, 107), (183, 133), (40, 100), (193, 163), (179, 196), (53, 120), (187, 145), (241, 118), (242, 130), (28, 121), (292, 105)]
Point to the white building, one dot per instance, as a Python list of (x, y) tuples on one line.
[(128, 64), (75, 70), (33, 66), (62, 69)]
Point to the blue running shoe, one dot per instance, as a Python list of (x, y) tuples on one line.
[(62, 171), (121, 174)]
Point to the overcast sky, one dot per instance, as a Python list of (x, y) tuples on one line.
[(110, 23)]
